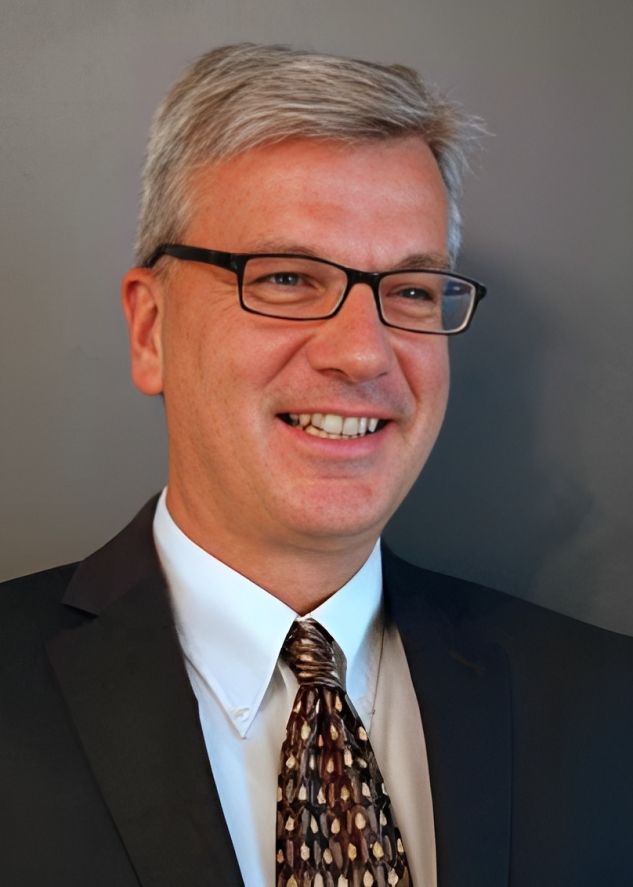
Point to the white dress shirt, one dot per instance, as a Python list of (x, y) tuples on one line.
[(231, 632)]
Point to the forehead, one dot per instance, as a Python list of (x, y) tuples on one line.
[(360, 203)]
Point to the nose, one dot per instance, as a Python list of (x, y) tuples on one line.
[(354, 344)]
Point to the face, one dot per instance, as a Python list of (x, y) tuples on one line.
[(233, 380)]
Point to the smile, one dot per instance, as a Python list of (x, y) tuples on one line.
[(334, 426)]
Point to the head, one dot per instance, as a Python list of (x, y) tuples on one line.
[(268, 149)]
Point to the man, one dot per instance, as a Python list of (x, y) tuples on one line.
[(240, 688)]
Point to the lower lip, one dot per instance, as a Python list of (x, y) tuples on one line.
[(354, 447)]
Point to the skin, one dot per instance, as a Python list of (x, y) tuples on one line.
[(296, 514)]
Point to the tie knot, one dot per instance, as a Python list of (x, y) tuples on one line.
[(309, 652)]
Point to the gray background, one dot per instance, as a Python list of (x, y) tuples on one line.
[(529, 489)]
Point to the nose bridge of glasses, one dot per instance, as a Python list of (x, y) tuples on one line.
[(366, 278)]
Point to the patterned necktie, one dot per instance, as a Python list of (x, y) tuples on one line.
[(335, 826)]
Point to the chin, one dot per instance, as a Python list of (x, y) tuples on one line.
[(339, 522)]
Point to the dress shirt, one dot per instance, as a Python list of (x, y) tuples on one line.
[(231, 632)]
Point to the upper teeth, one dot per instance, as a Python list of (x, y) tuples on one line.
[(333, 425)]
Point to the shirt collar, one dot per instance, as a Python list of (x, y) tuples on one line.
[(353, 616), (232, 630)]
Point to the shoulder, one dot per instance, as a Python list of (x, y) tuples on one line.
[(43, 582), (30, 605), (26, 591), (522, 628), (56, 596)]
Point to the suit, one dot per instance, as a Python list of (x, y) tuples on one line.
[(105, 780)]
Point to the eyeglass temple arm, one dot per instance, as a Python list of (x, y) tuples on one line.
[(191, 254)]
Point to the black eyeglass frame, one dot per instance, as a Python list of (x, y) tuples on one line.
[(236, 262)]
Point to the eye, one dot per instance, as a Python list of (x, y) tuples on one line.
[(285, 278), (415, 294)]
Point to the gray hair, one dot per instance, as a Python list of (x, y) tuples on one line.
[(239, 97)]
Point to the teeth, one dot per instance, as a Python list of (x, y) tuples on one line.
[(316, 432), (334, 426), (350, 425)]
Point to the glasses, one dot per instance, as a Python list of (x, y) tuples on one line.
[(295, 287)]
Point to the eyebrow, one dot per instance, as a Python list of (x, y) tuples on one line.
[(423, 261)]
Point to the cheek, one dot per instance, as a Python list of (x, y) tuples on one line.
[(226, 361), (430, 386), (189, 356), (428, 373)]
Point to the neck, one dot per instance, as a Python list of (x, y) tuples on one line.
[(301, 573)]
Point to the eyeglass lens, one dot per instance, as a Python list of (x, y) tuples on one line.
[(297, 288)]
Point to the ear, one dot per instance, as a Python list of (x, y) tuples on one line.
[(142, 296)]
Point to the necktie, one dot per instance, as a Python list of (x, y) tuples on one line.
[(335, 827)]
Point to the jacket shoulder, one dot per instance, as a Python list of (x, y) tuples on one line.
[(44, 584), (511, 621), (31, 604)]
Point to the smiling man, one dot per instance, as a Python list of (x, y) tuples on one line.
[(242, 687)]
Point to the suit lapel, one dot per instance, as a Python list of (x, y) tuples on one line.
[(462, 682), (127, 690)]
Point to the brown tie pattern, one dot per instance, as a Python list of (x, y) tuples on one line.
[(335, 827)]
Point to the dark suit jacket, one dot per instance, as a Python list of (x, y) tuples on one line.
[(105, 781)]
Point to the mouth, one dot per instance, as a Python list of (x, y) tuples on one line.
[(334, 426)]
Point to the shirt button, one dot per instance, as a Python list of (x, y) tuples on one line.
[(240, 714)]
